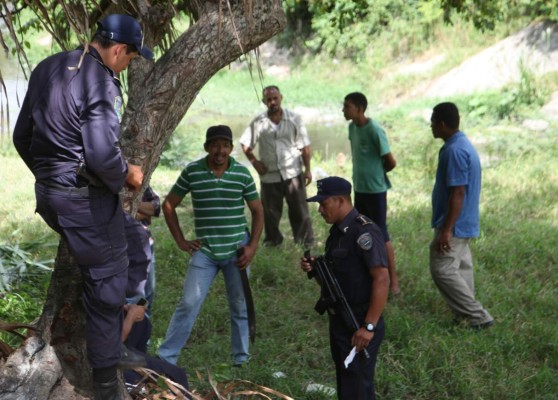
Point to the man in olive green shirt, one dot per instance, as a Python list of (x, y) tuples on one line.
[(372, 159)]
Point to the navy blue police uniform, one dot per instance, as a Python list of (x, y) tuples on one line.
[(352, 248), (72, 115), (137, 340), (152, 197), (139, 257)]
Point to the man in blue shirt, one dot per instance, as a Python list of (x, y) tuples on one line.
[(455, 218)]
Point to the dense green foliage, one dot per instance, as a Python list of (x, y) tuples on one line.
[(485, 14), (348, 28)]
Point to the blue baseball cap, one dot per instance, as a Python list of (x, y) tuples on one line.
[(331, 186), (124, 29)]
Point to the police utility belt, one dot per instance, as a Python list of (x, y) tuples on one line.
[(94, 184)]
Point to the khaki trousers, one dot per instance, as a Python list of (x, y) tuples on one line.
[(452, 273)]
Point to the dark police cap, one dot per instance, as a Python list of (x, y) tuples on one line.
[(218, 132), (331, 186), (124, 29)]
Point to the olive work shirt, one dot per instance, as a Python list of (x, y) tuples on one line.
[(280, 145)]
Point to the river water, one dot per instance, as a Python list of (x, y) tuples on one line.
[(328, 138), (327, 129), (14, 91)]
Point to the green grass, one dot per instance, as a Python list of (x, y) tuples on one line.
[(424, 356)]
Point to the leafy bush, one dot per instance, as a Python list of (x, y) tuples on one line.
[(23, 286), (345, 28), (182, 148), (510, 101), (526, 93), (17, 263)]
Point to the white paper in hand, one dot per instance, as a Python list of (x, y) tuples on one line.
[(350, 357)]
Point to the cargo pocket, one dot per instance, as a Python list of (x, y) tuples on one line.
[(86, 243)]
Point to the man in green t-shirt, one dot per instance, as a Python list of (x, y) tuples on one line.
[(219, 186), (372, 159)]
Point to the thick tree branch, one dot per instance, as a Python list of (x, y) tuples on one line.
[(158, 103)]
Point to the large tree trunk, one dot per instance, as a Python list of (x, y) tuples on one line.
[(36, 369), (53, 362)]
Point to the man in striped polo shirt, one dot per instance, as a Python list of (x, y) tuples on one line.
[(219, 186)]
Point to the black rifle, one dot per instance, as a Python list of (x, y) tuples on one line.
[(332, 297)]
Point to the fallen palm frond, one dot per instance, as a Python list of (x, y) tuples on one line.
[(5, 348), (154, 386), (235, 388)]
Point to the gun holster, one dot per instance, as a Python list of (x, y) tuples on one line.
[(88, 176)]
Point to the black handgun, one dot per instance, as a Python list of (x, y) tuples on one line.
[(142, 301)]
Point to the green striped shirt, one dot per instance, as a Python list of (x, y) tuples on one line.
[(218, 205)]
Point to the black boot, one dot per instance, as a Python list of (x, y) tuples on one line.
[(107, 390), (130, 359)]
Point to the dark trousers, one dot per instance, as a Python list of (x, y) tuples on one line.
[(137, 340), (139, 258), (92, 223), (374, 206), (294, 192), (357, 381)]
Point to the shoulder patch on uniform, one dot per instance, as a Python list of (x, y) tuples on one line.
[(365, 241), (363, 220), (118, 107)]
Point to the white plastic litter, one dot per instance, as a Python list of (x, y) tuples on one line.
[(319, 388)]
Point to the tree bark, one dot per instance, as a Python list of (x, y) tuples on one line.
[(36, 369), (53, 363)]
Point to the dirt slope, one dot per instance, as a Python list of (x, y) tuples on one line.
[(535, 47)]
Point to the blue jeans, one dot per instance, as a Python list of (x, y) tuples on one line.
[(201, 273)]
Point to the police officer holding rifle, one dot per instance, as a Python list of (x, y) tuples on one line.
[(353, 271)]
